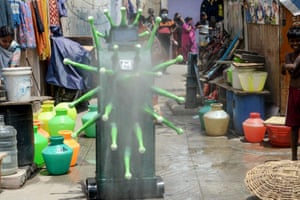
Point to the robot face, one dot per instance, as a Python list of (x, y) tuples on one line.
[(126, 64)]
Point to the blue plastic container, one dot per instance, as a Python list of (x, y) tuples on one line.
[(243, 105)]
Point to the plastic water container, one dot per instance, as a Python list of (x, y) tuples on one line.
[(61, 121), (40, 142), (279, 135), (8, 145), (72, 112), (45, 115), (17, 81), (57, 156), (204, 110), (71, 142), (236, 83), (243, 105), (254, 128), (216, 120), (90, 131), (253, 81), (20, 117)]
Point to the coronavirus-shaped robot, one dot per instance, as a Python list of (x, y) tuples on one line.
[(125, 128)]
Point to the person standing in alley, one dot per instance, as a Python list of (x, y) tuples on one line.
[(150, 20), (188, 38), (292, 66), (203, 27), (10, 51), (165, 32), (177, 34)]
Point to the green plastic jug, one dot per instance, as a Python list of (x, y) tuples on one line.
[(61, 121), (45, 115), (40, 143), (72, 112)]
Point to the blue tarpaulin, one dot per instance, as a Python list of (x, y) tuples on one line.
[(63, 75)]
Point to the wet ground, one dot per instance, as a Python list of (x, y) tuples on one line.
[(193, 166)]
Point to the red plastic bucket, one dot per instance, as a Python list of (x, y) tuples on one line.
[(279, 136)]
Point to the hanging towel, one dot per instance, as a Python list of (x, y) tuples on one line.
[(5, 14), (15, 8), (26, 30), (38, 18), (42, 38)]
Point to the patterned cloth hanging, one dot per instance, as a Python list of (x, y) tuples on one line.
[(26, 30), (53, 13), (15, 8)]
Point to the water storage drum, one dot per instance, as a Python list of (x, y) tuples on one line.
[(8, 145)]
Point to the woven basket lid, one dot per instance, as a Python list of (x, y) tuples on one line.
[(275, 180)]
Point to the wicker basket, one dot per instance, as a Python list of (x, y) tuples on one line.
[(275, 180)]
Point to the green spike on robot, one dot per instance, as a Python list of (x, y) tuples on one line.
[(107, 111), (160, 118), (136, 20), (139, 135), (168, 94), (114, 135), (127, 156), (109, 17)]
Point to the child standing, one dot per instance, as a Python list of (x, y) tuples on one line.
[(292, 66)]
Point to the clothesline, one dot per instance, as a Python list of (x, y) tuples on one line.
[(30, 19)]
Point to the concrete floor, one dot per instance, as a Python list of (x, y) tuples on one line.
[(193, 166)]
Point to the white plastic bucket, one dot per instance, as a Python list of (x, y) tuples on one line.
[(17, 81)]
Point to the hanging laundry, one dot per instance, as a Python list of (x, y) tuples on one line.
[(5, 13), (15, 9), (42, 34), (62, 9), (131, 9), (26, 31), (68, 76), (38, 18), (53, 13)]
